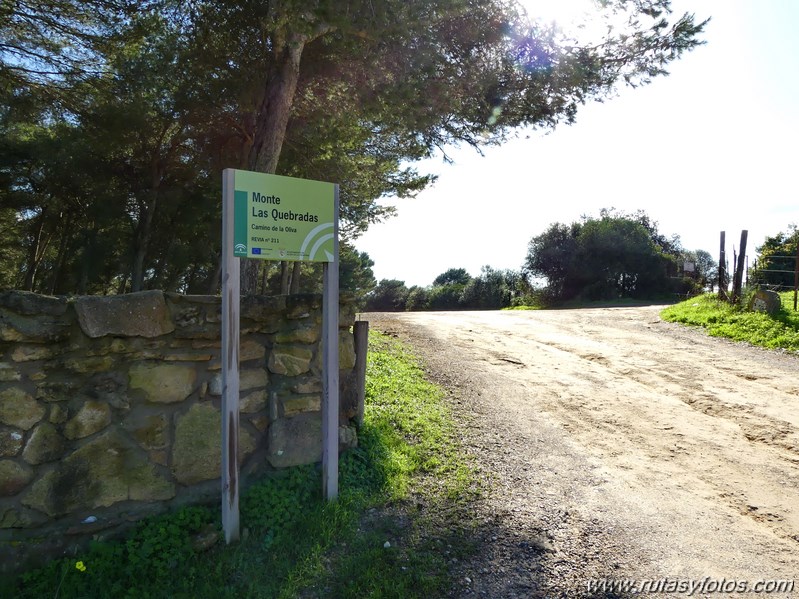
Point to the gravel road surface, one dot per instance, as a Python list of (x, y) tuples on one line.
[(618, 446)]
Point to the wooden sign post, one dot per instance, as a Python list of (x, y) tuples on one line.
[(269, 217)]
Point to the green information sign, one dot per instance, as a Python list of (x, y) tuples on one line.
[(283, 218)]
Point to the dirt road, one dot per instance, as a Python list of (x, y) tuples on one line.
[(620, 446)]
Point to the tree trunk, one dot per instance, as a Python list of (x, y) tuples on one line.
[(284, 278), (89, 237), (265, 268), (270, 122), (142, 241), (273, 113), (36, 253), (214, 279), (295, 278), (62, 250)]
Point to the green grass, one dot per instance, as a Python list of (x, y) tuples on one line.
[(721, 319), (294, 544), (577, 304)]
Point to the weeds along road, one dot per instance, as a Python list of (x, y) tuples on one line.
[(619, 445)]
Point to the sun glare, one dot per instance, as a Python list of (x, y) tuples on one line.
[(577, 18), (561, 11)]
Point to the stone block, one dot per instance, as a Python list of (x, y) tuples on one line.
[(290, 360), (346, 315), (142, 314), (10, 441), (305, 335), (28, 353), (198, 331), (193, 311), (13, 477), (92, 417), (346, 350), (249, 378), (150, 431), (58, 414), (101, 473), (52, 391), (186, 356), (8, 373), (18, 409), (347, 437), (33, 304), (23, 518), (32, 329), (765, 301), (90, 364), (197, 449), (250, 349), (260, 422), (311, 384), (263, 309), (295, 440), (163, 383), (110, 387), (44, 445), (295, 404), (253, 402), (253, 378), (303, 305)]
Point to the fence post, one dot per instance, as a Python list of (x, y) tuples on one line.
[(796, 275), (361, 334), (722, 274), (739, 269)]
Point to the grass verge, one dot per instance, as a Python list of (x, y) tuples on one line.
[(720, 319), (400, 493)]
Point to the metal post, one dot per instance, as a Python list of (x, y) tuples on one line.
[(330, 367), (230, 365)]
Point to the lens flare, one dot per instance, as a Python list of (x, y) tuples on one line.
[(581, 20)]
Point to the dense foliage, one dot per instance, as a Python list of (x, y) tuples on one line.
[(454, 289), (610, 257), (117, 117), (776, 264)]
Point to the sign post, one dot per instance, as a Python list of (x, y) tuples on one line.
[(270, 217), (330, 399)]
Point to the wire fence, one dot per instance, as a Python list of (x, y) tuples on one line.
[(780, 278)]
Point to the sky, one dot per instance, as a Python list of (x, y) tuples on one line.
[(712, 147)]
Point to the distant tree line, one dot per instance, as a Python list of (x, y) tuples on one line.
[(614, 256), (454, 289)]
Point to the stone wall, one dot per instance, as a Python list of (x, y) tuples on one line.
[(110, 406)]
